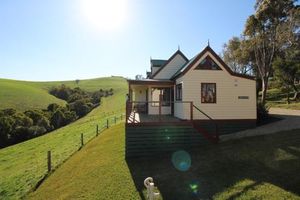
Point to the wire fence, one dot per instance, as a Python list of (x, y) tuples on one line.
[(54, 161)]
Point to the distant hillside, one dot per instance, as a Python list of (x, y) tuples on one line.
[(24, 95)]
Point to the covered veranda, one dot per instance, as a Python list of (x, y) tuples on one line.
[(152, 101)]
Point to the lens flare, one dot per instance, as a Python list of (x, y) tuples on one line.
[(181, 160), (194, 187)]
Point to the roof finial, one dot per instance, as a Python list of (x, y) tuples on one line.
[(178, 47), (208, 42)]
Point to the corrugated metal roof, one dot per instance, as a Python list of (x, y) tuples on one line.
[(158, 62), (184, 66)]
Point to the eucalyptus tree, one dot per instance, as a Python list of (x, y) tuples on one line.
[(262, 31)]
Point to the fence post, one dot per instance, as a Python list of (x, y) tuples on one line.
[(81, 139), (97, 130), (121, 117), (115, 119), (49, 160), (107, 121)]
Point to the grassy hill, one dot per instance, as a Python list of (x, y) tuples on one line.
[(262, 167), (24, 164), (24, 95)]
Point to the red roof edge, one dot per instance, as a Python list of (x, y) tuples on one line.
[(227, 68)]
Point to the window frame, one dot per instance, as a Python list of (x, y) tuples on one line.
[(202, 97), (178, 95)]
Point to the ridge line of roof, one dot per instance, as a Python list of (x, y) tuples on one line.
[(188, 65)]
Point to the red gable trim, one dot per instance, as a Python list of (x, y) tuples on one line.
[(208, 49), (149, 82), (178, 52)]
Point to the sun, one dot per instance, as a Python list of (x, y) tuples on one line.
[(104, 15)]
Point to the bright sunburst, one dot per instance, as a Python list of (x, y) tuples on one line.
[(104, 14)]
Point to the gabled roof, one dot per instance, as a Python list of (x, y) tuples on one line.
[(185, 68), (178, 52), (158, 62)]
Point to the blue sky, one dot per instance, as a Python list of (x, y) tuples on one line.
[(54, 40)]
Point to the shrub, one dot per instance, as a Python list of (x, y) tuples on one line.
[(62, 92), (6, 126), (53, 107), (35, 131), (57, 119), (20, 134), (8, 112), (70, 116), (80, 107)]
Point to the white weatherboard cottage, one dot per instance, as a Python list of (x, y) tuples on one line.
[(195, 92), (204, 80)]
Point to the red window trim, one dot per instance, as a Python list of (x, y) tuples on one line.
[(215, 99)]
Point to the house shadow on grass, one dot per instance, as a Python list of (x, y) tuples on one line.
[(227, 170)]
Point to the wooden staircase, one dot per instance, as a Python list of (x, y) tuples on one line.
[(152, 140)]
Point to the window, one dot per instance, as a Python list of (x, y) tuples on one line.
[(165, 94), (208, 64), (179, 92), (208, 93)]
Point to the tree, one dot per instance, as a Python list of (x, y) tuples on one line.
[(57, 119), (238, 56), (287, 70), (77, 81), (287, 63), (6, 126), (53, 107), (62, 92), (80, 107), (261, 31)]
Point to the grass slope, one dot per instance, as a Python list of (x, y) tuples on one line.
[(276, 98), (263, 167), (24, 95), (24, 164)]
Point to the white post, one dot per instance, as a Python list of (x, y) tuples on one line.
[(149, 184)]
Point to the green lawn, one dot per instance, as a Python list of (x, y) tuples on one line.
[(24, 164), (276, 98), (264, 167)]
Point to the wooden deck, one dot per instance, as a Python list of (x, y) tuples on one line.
[(136, 118)]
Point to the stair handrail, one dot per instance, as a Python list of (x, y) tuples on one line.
[(216, 137)]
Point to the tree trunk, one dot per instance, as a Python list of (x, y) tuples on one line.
[(296, 94), (288, 95), (264, 87)]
